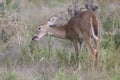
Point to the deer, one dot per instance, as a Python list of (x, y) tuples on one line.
[(79, 30)]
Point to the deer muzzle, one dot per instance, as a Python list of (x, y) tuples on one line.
[(35, 38)]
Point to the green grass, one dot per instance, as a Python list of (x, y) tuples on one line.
[(23, 59)]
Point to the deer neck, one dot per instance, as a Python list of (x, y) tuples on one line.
[(59, 32)]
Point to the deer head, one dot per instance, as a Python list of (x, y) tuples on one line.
[(43, 29)]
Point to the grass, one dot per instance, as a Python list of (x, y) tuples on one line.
[(23, 59)]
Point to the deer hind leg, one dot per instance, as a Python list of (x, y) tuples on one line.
[(96, 53), (92, 50)]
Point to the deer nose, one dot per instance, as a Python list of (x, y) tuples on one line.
[(34, 37)]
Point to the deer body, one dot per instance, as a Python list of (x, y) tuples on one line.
[(85, 24), (75, 26)]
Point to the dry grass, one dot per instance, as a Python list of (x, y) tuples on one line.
[(22, 59)]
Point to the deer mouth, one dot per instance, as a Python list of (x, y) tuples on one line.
[(35, 38)]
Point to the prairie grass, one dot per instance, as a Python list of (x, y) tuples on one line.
[(50, 58)]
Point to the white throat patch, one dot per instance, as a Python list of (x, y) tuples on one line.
[(50, 33)]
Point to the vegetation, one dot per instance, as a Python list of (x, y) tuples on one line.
[(48, 59)]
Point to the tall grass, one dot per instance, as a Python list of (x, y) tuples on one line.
[(49, 58)]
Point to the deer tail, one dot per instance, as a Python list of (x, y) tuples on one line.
[(94, 29)]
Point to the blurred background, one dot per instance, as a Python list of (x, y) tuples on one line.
[(48, 59)]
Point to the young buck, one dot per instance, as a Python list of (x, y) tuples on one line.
[(79, 29)]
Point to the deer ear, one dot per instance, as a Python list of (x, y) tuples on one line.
[(52, 21)]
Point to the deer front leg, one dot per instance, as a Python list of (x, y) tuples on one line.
[(81, 45), (75, 43), (69, 51)]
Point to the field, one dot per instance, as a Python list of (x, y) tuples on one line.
[(48, 59)]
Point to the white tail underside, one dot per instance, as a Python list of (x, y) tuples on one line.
[(93, 33)]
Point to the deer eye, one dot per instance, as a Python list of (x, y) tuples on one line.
[(39, 28)]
